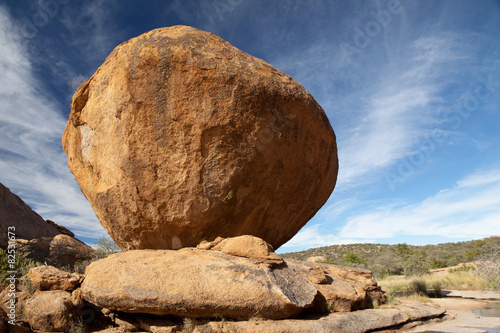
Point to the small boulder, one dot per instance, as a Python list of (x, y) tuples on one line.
[(245, 246), (50, 311), (196, 283), (51, 278), (124, 322), (20, 298), (340, 296), (206, 245), (157, 324)]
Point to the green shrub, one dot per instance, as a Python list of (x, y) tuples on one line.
[(437, 263), (453, 261), (471, 255), (391, 294), (437, 289), (22, 265), (352, 259), (414, 265), (461, 268), (419, 286)]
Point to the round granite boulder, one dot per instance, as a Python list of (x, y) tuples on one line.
[(180, 137)]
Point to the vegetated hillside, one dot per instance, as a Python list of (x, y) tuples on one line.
[(405, 259)]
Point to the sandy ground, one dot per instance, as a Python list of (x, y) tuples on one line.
[(460, 317)]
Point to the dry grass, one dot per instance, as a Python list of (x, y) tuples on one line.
[(394, 302), (454, 281)]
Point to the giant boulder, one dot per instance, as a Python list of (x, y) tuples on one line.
[(180, 137)]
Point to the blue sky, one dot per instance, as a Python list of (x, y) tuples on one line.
[(412, 89)]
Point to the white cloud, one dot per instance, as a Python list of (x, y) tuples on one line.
[(313, 236), (459, 212), (401, 109), (480, 178), (331, 211), (32, 163), (455, 212)]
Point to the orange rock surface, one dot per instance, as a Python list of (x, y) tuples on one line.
[(180, 137)]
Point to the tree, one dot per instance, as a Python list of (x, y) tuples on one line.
[(389, 263), (415, 265), (488, 267), (352, 259), (106, 246), (403, 250)]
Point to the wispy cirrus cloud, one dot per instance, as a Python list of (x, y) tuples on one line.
[(469, 209), (32, 162), (314, 236), (400, 107)]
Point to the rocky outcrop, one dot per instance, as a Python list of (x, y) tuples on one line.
[(200, 140), (207, 290), (340, 289), (14, 212), (50, 311), (51, 278), (196, 283), (60, 251), (351, 322)]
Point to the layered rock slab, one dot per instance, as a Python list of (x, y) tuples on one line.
[(351, 322), (180, 137), (196, 283)]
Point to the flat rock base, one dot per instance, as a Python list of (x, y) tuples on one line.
[(343, 322)]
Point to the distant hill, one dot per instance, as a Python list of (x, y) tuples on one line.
[(385, 259)]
